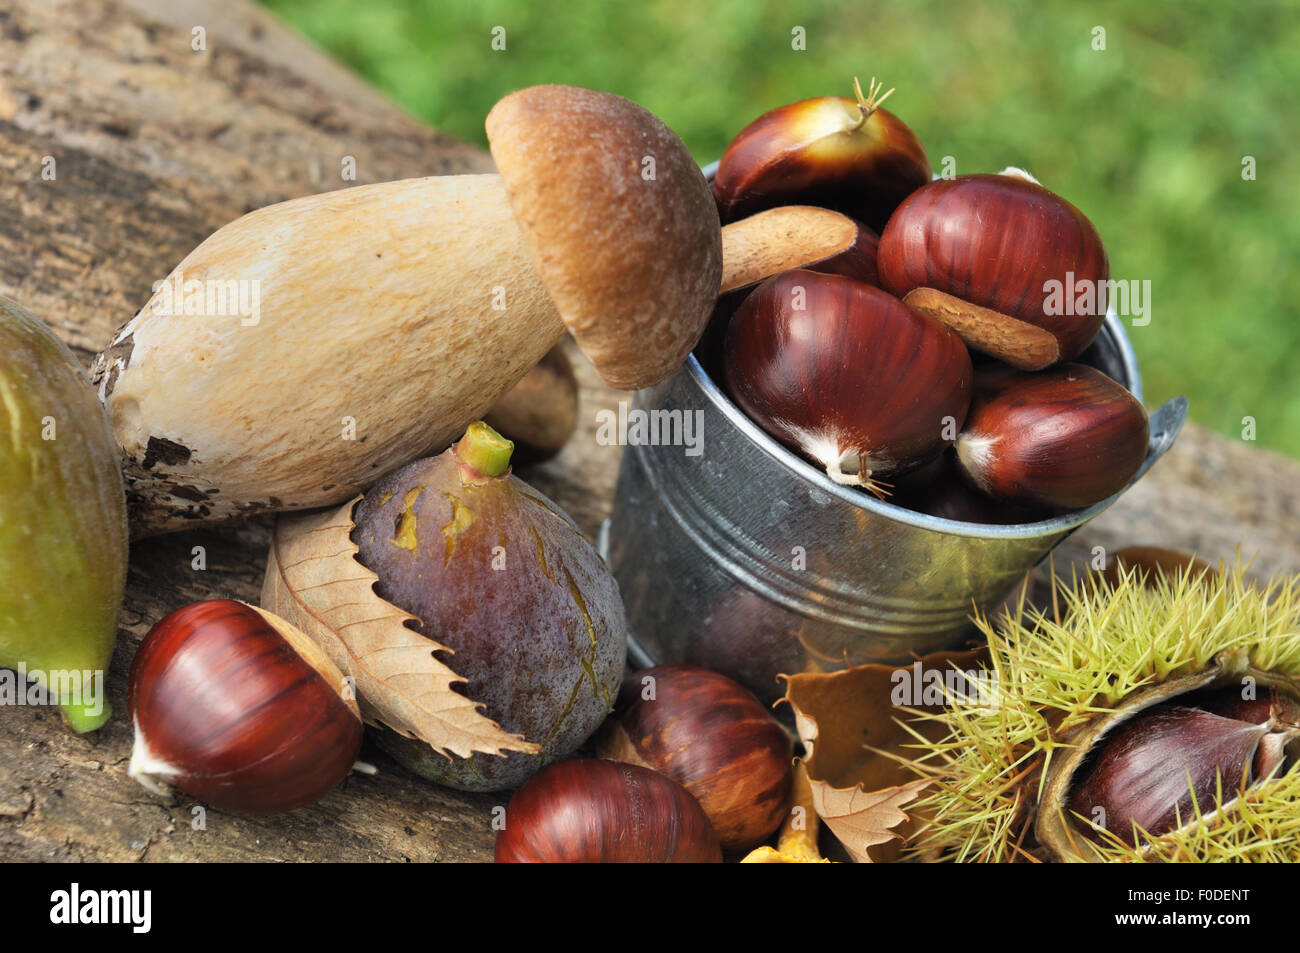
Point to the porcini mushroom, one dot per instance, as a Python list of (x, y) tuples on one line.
[(307, 348), (621, 227)]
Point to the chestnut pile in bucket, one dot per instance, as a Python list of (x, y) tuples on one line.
[(866, 371)]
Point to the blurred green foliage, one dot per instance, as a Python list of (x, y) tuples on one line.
[(1147, 136)]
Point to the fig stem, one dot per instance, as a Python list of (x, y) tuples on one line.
[(483, 453), (869, 103)]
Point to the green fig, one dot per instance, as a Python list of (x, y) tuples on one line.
[(63, 535)]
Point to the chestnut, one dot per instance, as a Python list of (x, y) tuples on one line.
[(998, 242), (847, 375), (938, 489), (858, 261), (236, 707), (1153, 771), (592, 811), (715, 738), (1064, 438), (1228, 702), (849, 155)]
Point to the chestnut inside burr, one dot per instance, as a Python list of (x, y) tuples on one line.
[(1158, 770)]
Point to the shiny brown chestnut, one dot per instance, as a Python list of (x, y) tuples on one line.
[(1264, 703), (1153, 771), (847, 375), (540, 412), (938, 489), (845, 154), (713, 737), (593, 811), (239, 709), (1005, 243), (1066, 438)]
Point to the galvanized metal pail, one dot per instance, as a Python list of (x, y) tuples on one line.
[(748, 560)]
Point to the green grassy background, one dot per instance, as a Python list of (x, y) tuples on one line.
[(1146, 137)]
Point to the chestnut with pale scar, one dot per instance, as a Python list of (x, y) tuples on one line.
[(235, 706), (847, 375), (1066, 438)]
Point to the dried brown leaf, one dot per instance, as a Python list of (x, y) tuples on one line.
[(862, 819), (314, 580), (853, 735)]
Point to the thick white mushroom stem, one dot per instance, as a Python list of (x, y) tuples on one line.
[(307, 348)]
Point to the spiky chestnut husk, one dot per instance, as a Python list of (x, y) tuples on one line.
[(1117, 649), (1151, 771)]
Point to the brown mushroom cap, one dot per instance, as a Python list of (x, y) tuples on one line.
[(629, 249)]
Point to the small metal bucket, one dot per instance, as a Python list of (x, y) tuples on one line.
[(750, 561)]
